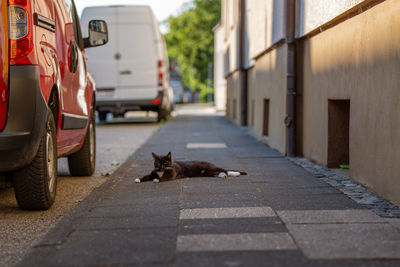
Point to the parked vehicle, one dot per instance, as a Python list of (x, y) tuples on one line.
[(47, 98), (132, 70)]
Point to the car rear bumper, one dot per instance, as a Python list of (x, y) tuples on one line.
[(27, 111), (119, 106)]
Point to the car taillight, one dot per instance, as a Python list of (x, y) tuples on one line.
[(21, 43), (160, 73)]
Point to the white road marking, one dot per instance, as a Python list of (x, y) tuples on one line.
[(224, 213), (205, 145)]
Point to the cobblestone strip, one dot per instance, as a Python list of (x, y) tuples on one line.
[(354, 191)]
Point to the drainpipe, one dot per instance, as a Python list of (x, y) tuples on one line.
[(290, 120), (242, 59)]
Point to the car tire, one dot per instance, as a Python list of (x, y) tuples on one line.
[(162, 115), (102, 116), (82, 162), (35, 185)]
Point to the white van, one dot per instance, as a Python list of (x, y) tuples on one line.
[(132, 70)]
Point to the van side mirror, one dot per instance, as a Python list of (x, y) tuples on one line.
[(98, 34)]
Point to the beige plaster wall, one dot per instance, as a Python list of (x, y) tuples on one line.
[(359, 60), (267, 80), (233, 92)]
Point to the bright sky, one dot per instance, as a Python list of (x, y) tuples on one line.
[(161, 8)]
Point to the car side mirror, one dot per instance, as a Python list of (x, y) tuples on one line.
[(98, 34)]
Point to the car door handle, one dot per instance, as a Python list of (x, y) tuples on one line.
[(125, 72)]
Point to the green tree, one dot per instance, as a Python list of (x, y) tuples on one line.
[(190, 41)]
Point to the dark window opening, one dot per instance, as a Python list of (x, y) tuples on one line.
[(338, 133), (234, 109), (252, 112), (266, 118)]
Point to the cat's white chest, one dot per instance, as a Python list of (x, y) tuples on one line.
[(160, 174)]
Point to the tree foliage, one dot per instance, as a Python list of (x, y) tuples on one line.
[(190, 41)]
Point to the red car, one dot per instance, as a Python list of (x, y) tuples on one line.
[(47, 98)]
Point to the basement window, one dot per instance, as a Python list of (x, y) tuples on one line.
[(338, 133)]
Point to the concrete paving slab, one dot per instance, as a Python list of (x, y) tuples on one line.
[(235, 242), (351, 241), (225, 213), (395, 222), (311, 202), (329, 216), (231, 226), (139, 222), (281, 258), (256, 152), (221, 198), (127, 247), (229, 185), (221, 203)]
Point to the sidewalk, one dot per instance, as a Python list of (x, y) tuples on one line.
[(277, 215)]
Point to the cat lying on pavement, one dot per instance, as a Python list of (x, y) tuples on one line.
[(165, 170)]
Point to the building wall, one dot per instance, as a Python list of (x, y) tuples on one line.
[(311, 14), (219, 79), (359, 60), (264, 26), (230, 24), (267, 80), (234, 97)]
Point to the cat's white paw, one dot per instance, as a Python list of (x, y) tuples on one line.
[(156, 180), (137, 180), (222, 175), (234, 174)]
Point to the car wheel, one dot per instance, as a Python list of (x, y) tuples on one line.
[(162, 114), (35, 185), (82, 162), (102, 115)]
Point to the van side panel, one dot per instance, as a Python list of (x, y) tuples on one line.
[(131, 56), (102, 63)]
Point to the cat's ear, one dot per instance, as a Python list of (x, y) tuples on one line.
[(169, 156), (154, 155)]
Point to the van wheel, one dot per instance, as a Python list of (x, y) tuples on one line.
[(162, 115), (82, 163), (35, 185), (102, 115)]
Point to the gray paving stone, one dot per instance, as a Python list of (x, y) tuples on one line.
[(235, 242), (210, 196), (328, 216), (311, 202), (217, 185), (231, 226), (395, 222), (127, 247), (255, 152), (286, 258), (221, 203), (141, 221), (351, 241)]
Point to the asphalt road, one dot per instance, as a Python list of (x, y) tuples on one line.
[(116, 141)]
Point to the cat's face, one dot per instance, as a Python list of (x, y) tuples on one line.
[(161, 163)]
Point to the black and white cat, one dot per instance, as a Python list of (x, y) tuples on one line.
[(165, 170)]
